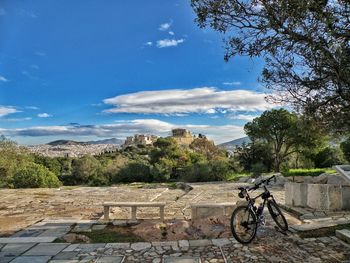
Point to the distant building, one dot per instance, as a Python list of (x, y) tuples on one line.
[(182, 136), (140, 139)]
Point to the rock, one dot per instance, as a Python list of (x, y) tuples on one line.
[(243, 179), (336, 179), (76, 238), (183, 186), (141, 246), (321, 179), (280, 180)]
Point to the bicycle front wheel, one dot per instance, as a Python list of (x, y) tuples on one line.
[(243, 224), (277, 215)]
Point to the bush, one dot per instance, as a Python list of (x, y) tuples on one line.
[(307, 172), (328, 157), (216, 170), (133, 172), (35, 175)]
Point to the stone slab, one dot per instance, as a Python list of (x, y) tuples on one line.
[(15, 249), (90, 247), (346, 197), (140, 246), (182, 260), (343, 234), (221, 242), (46, 249), (9, 240), (67, 255), (6, 259), (64, 261), (118, 245), (110, 259), (28, 233), (32, 259), (98, 227), (200, 243)]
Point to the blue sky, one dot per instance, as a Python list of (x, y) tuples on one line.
[(90, 70)]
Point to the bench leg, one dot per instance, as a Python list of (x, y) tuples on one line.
[(133, 213), (161, 211), (106, 212)]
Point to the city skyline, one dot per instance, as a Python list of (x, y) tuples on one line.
[(89, 71)]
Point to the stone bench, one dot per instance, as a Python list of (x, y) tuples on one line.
[(134, 206), (203, 210)]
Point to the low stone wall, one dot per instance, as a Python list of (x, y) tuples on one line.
[(204, 210), (323, 197)]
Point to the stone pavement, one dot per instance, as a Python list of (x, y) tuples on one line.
[(269, 246)]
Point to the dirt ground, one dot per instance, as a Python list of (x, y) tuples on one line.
[(20, 208)]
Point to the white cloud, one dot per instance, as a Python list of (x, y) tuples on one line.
[(234, 83), (6, 110), (15, 119), (44, 115), (3, 79), (149, 43), (32, 108), (171, 33), (126, 128), (169, 42), (244, 117), (199, 100), (165, 26)]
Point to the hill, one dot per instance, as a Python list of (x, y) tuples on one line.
[(108, 141), (234, 143), (66, 142)]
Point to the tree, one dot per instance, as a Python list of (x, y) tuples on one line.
[(204, 146), (345, 147), (283, 131), (85, 169), (305, 44)]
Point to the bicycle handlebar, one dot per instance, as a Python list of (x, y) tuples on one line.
[(256, 186)]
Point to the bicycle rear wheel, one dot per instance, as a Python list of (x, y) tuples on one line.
[(243, 224), (277, 215)]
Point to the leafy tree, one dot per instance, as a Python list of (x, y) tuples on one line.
[(35, 175), (305, 44), (248, 155), (52, 164), (328, 157), (283, 131), (345, 147), (205, 147), (134, 172), (85, 169)]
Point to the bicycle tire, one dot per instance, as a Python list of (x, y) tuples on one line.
[(253, 222), (272, 205)]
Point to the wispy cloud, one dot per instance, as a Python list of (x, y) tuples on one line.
[(3, 79), (149, 43), (199, 100), (171, 33), (32, 108), (15, 119), (169, 42), (44, 115), (234, 83), (122, 128), (6, 110), (244, 117), (165, 26), (40, 53), (26, 13)]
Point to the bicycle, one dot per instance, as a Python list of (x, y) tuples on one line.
[(246, 218)]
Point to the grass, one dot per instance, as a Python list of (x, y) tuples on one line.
[(308, 172), (111, 234), (236, 176), (322, 232)]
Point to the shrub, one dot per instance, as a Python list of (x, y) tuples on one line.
[(35, 175), (133, 172), (307, 172), (216, 170), (328, 157)]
